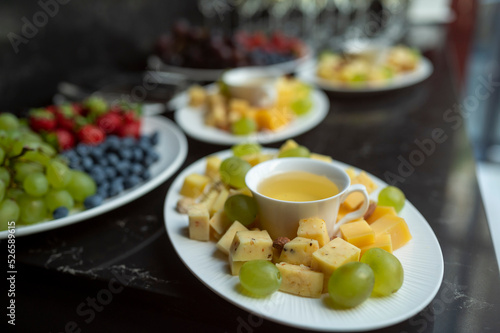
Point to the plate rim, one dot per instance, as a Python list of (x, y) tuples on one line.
[(315, 116), (158, 123), (172, 193), (425, 70)]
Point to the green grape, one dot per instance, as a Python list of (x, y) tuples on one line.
[(389, 274), (2, 155), (260, 277), (14, 193), (58, 174), (5, 175), (36, 156), (233, 170), (8, 121), (3, 189), (36, 184), (301, 106), (299, 151), (57, 198), (80, 185), (392, 196), (244, 126), (31, 209), (16, 148), (244, 149), (22, 169), (351, 284), (9, 211), (241, 208)]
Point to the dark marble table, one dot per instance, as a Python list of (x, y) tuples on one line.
[(125, 260)]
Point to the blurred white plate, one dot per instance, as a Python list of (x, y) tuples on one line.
[(172, 149), (307, 73), (421, 258), (191, 120)]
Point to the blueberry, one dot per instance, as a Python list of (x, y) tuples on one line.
[(113, 143), (74, 162), (146, 174), (116, 187), (92, 201), (145, 145), (131, 181), (60, 212), (87, 163), (110, 172), (83, 149), (153, 155), (136, 169), (126, 154), (128, 141), (103, 189), (113, 159), (123, 168), (97, 152), (98, 174), (154, 138), (138, 154), (102, 162)]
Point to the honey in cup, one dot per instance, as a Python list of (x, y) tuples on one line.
[(292, 188), (298, 186)]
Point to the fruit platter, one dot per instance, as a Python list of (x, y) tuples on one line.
[(203, 54), (367, 71), (211, 114), (64, 164), (213, 224)]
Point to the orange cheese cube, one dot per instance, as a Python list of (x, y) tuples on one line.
[(382, 241), (381, 211), (396, 227), (354, 200), (267, 119), (358, 233)]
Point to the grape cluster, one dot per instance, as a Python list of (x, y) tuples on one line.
[(115, 165), (35, 183)]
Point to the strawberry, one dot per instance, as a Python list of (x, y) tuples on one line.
[(78, 108), (42, 120), (65, 139), (130, 129), (130, 116), (109, 122), (91, 134), (66, 117)]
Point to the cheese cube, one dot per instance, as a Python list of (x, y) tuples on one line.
[(219, 202), (209, 199), (351, 173), (220, 223), (354, 200), (382, 241), (197, 95), (235, 266), (199, 226), (381, 211), (251, 245), (333, 255), (396, 227), (314, 228), (225, 242), (299, 251), (212, 167), (358, 233), (289, 144), (320, 157), (257, 158), (194, 184), (300, 280)]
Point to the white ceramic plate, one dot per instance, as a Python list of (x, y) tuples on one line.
[(191, 120), (307, 73), (421, 258), (172, 149), (200, 74)]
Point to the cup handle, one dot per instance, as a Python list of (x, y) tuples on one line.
[(358, 212)]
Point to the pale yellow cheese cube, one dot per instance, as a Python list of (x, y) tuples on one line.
[(212, 167), (320, 157), (299, 251), (194, 184), (314, 228), (382, 241), (235, 266), (289, 144), (333, 255), (220, 223), (225, 242), (199, 226), (300, 280), (396, 227), (219, 201), (257, 158), (209, 199), (351, 173), (251, 245), (197, 95), (358, 233)]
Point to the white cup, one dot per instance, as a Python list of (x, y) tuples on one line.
[(256, 85), (281, 218)]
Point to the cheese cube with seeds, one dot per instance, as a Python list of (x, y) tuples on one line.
[(299, 251), (225, 242), (199, 226), (314, 228), (251, 245), (300, 280)]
